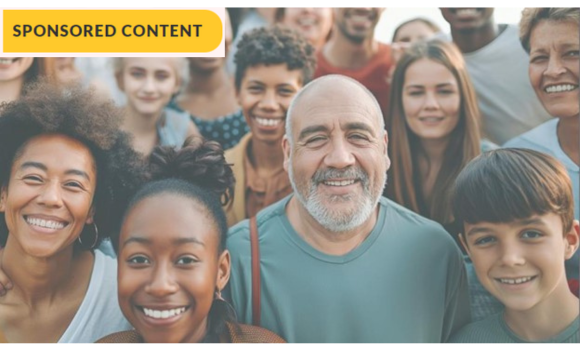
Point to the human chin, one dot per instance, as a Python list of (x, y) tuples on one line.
[(336, 212)]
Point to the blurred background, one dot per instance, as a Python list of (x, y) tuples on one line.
[(392, 17)]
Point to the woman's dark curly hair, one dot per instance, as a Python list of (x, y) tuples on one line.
[(272, 46), (79, 114), (197, 171)]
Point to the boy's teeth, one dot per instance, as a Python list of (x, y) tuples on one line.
[(163, 314), (339, 183), (560, 88), (49, 224), (515, 281)]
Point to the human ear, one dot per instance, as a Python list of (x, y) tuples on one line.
[(386, 145), (2, 198), (224, 266), (90, 216), (464, 244), (572, 240), (286, 149)]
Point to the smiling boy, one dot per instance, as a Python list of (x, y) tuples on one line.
[(518, 214), (272, 65)]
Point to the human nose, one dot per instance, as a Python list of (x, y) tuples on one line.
[(511, 255), (269, 101), (431, 101), (555, 67), (339, 156), (149, 84), (51, 195), (162, 283)]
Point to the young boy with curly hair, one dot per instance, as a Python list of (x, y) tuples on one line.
[(272, 65), (517, 209)]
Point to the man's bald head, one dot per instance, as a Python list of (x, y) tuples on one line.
[(334, 90)]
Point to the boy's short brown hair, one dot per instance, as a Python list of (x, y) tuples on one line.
[(504, 185)]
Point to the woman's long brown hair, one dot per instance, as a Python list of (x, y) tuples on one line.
[(405, 147)]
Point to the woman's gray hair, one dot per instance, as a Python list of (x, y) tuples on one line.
[(532, 17)]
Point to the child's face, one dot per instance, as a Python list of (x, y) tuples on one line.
[(169, 268), (265, 94), (149, 83), (521, 263)]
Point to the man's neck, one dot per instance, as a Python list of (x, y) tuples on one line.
[(469, 41), (344, 53), (322, 239)]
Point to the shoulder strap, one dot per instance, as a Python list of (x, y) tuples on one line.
[(256, 311)]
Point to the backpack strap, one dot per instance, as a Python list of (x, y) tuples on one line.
[(256, 311)]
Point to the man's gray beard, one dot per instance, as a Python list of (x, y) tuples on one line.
[(335, 221)]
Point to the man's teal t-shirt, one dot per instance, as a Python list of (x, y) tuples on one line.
[(404, 283)]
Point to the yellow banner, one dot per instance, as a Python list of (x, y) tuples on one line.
[(110, 31)]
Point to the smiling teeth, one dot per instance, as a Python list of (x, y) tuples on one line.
[(560, 88), (339, 183), (49, 224), (268, 122), (163, 314), (466, 12), (4, 61), (515, 281)]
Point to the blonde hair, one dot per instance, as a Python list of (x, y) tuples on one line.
[(404, 184), (533, 16), (181, 70)]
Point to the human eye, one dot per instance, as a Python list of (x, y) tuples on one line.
[(162, 75), (446, 91), (572, 53), (358, 137), (255, 89), (286, 91), (136, 73), (485, 240), (138, 260), (315, 140), (32, 179), (186, 260), (538, 58), (74, 185), (532, 234), (415, 93)]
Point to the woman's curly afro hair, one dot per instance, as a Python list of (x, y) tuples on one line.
[(79, 114)]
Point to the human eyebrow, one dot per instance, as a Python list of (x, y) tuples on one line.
[(79, 173), (311, 130), (33, 164), (41, 166), (358, 126), (530, 221), (478, 230), (445, 85), (192, 240), (136, 239)]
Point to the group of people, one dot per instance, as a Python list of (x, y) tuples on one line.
[(323, 187)]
